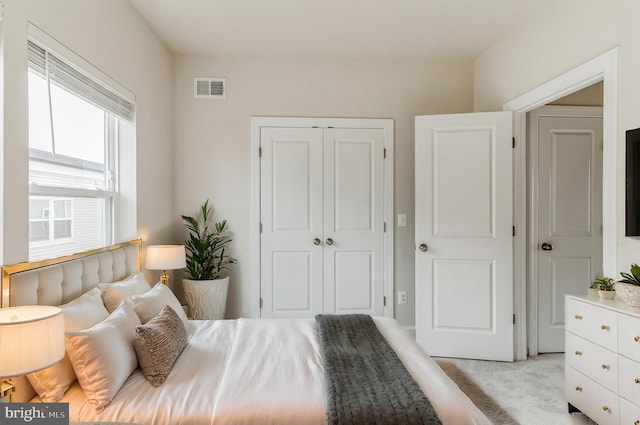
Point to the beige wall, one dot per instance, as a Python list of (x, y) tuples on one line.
[(560, 36), (213, 139), (110, 35), (588, 96)]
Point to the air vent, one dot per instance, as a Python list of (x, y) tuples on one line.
[(209, 88)]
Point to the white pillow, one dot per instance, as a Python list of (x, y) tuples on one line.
[(103, 356), (82, 313), (151, 303), (113, 293)]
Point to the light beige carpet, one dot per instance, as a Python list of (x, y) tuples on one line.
[(525, 393)]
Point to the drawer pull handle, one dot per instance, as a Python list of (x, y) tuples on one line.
[(636, 338), (637, 380), (605, 366), (578, 353), (578, 317), (604, 327), (578, 388), (605, 408)]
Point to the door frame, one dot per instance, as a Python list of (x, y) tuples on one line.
[(254, 220), (602, 68), (532, 200)]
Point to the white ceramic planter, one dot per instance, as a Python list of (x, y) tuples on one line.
[(206, 299), (629, 293)]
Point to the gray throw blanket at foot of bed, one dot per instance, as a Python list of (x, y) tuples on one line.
[(366, 381)]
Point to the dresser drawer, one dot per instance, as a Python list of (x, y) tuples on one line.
[(597, 402), (592, 322), (591, 360), (629, 336), (629, 378), (629, 413)]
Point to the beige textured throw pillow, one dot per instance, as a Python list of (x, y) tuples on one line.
[(158, 344)]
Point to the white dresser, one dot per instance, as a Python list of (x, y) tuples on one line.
[(602, 359)]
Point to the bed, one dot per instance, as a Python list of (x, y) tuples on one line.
[(244, 371)]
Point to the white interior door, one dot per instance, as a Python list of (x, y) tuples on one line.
[(291, 178), (353, 221), (569, 214), (464, 266)]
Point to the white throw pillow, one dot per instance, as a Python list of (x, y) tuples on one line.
[(151, 303), (82, 313), (113, 293), (103, 356)]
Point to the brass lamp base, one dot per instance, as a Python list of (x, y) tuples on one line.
[(164, 279), (7, 388)]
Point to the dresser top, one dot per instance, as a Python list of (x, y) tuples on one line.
[(616, 304)]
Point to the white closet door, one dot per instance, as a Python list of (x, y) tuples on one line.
[(353, 221), (291, 217)]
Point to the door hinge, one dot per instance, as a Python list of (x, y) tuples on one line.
[(384, 153), (513, 231), (513, 142), (260, 227), (384, 227), (384, 301), (260, 152), (514, 319), (260, 302)]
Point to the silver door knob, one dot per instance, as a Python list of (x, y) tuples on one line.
[(317, 241), (329, 241), (423, 247), (546, 246)]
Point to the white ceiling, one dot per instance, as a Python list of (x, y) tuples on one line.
[(333, 28)]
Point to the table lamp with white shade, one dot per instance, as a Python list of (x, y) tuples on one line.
[(31, 338), (166, 257)]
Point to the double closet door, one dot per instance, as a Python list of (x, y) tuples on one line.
[(322, 221)]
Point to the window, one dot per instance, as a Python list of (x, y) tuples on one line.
[(74, 122), (50, 219)]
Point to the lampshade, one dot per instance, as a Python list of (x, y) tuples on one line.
[(31, 338), (166, 257)]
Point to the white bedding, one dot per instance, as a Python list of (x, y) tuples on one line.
[(260, 371)]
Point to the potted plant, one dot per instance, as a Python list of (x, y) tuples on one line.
[(208, 264), (604, 286), (599, 281), (629, 286)]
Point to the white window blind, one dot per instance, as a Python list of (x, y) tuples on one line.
[(87, 87)]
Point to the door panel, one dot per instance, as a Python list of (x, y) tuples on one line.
[(569, 217), (292, 281), (291, 217), (353, 220), (464, 277), (354, 281), (470, 286), (455, 193)]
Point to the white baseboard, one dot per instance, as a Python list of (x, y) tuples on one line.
[(411, 330)]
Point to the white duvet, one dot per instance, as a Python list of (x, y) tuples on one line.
[(259, 371)]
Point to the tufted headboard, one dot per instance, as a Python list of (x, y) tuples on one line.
[(59, 280)]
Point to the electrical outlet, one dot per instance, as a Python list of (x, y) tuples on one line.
[(402, 297), (402, 220)]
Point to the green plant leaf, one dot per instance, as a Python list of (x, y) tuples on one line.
[(205, 245)]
